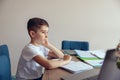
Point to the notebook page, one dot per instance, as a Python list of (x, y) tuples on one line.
[(76, 67), (84, 54), (98, 53)]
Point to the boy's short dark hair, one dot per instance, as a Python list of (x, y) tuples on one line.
[(35, 23)]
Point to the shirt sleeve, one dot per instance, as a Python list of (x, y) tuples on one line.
[(46, 51), (29, 53)]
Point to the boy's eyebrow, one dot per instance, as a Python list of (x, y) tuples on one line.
[(44, 30)]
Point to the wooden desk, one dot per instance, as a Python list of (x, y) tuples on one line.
[(56, 74)]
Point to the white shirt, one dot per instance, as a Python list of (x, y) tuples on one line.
[(27, 67)]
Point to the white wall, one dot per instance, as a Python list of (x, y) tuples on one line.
[(96, 21)]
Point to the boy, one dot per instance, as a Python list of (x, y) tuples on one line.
[(33, 59)]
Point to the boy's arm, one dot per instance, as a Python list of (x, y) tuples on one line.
[(53, 50), (50, 64)]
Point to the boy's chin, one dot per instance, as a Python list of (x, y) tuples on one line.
[(42, 43)]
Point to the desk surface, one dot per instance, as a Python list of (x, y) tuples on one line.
[(56, 74)]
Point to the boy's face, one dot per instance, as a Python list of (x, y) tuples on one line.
[(41, 35)]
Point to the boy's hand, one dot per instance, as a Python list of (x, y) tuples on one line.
[(46, 42), (67, 57)]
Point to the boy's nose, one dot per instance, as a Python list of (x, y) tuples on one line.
[(46, 36)]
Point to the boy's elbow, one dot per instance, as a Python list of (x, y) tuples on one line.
[(49, 66)]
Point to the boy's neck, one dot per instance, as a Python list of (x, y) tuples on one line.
[(34, 43)]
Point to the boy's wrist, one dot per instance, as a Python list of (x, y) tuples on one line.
[(48, 45), (51, 47)]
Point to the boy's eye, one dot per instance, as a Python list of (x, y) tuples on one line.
[(43, 32)]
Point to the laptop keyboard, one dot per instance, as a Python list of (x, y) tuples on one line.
[(91, 78)]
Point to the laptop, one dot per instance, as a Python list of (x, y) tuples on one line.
[(108, 71)]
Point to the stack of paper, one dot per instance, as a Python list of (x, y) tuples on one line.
[(98, 53), (95, 63), (85, 55), (76, 67), (70, 52), (94, 58)]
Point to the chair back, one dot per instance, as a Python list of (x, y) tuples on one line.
[(72, 45), (5, 66)]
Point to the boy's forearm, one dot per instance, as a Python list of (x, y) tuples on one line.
[(56, 51), (55, 63), (50, 64)]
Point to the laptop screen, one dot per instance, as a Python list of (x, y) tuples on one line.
[(109, 69)]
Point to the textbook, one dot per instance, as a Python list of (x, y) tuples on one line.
[(95, 63), (87, 58), (99, 53), (85, 54), (91, 54), (76, 67), (93, 58)]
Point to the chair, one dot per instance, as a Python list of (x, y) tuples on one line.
[(5, 66), (72, 45)]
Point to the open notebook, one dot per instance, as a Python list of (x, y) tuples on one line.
[(90, 57), (77, 67), (91, 54)]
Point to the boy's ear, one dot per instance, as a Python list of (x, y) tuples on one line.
[(32, 33)]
